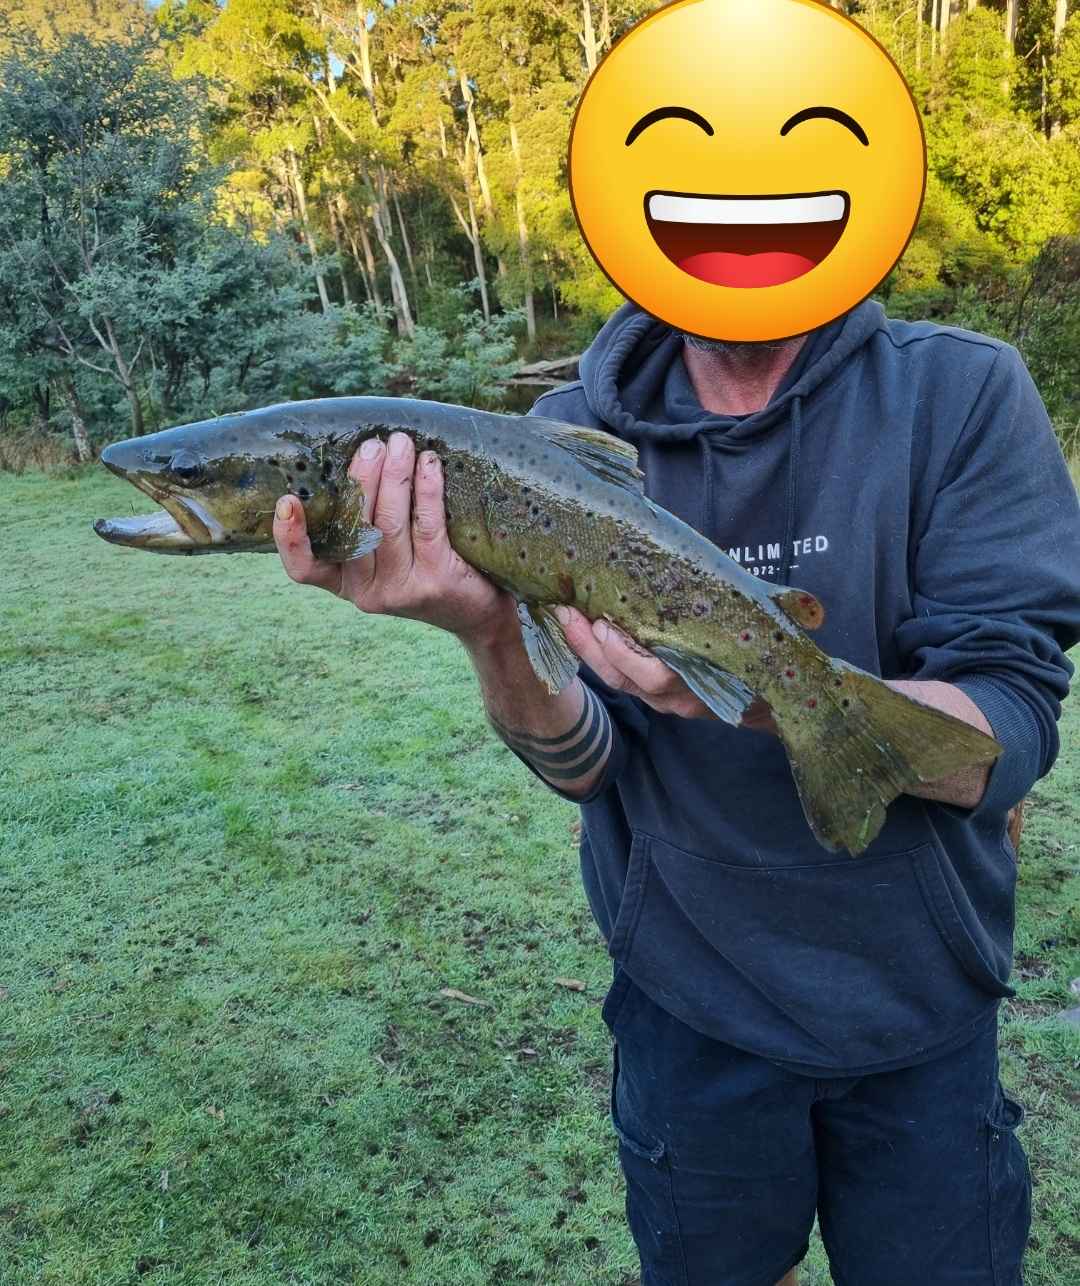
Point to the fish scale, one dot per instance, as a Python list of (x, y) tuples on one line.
[(557, 514)]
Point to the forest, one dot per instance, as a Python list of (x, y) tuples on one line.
[(208, 206)]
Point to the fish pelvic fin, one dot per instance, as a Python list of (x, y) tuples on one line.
[(800, 606), (551, 657), (346, 535), (601, 453), (870, 745), (725, 695)]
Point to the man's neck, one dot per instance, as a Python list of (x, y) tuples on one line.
[(738, 379)]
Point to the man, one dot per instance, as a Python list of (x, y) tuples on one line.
[(795, 1031)]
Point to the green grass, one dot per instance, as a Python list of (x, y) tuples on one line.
[(248, 836)]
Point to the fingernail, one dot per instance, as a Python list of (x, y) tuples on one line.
[(399, 444), (370, 448), (284, 509), (429, 460), (600, 630), (562, 615)]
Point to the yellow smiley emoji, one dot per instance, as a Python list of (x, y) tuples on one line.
[(747, 169)]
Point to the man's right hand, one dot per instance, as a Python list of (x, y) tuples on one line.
[(627, 667), (414, 572)]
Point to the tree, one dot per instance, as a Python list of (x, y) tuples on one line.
[(100, 187)]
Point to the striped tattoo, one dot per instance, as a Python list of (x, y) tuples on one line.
[(572, 755)]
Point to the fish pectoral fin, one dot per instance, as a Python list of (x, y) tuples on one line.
[(608, 457), (343, 547), (546, 646), (800, 606), (346, 535), (725, 695)]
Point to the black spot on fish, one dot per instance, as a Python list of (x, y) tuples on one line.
[(459, 467), (547, 524), (301, 467), (845, 703), (303, 493), (571, 552), (245, 480), (701, 608), (779, 636), (523, 555)]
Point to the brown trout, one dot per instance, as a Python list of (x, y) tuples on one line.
[(556, 514)]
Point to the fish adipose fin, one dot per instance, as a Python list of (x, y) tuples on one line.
[(725, 695), (870, 745), (609, 457), (546, 646), (799, 606), (346, 535)]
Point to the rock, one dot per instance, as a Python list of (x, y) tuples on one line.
[(1070, 1016)]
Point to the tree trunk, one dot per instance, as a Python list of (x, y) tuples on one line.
[(80, 437), (126, 382), (1061, 14), (369, 264), (398, 293), (405, 239), (588, 36), (474, 138), (41, 396), (944, 17), (364, 41), (472, 232), (605, 27), (1012, 15), (301, 205), (346, 294), (523, 231)]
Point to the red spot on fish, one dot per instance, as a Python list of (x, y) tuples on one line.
[(789, 674), (811, 704)]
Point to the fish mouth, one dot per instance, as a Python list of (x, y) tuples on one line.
[(747, 241), (180, 526)]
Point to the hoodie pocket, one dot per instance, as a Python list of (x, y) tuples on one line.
[(862, 956)]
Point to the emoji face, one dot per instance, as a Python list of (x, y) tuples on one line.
[(747, 169)]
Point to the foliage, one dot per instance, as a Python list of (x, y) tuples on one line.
[(283, 178)]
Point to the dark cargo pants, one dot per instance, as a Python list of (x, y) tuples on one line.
[(916, 1175)]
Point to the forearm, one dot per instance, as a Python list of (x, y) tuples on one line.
[(964, 789), (567, 738)]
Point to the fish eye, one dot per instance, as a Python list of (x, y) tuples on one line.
[(185, 467)]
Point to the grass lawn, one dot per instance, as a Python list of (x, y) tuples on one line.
[(248, 836)]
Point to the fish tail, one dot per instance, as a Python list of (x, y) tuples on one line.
[(868, 744)]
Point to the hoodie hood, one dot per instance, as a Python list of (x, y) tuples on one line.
[(635, 380)]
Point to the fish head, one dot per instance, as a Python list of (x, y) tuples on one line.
[(217, 483)]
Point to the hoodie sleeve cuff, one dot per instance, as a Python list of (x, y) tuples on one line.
[(1017, 729)]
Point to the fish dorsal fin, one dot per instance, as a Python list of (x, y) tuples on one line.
[(546, 646), (725, 695), (611, 458), (801, 607)]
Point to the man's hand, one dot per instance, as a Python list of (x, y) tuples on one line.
[(627, 667), (415, 571)]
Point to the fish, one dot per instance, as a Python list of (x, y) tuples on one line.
[(557, 514)]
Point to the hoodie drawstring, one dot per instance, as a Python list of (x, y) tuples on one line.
[(792, 501)]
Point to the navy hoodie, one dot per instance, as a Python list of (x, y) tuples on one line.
[(908, 476)]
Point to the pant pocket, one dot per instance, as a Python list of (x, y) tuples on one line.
[(650, 1202), (1009, 1195)]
